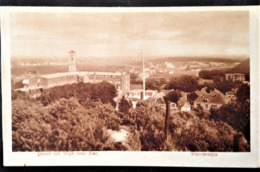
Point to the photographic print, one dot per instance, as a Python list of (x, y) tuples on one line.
[(144, 81)]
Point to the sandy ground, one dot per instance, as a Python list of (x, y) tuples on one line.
[(119, 136)]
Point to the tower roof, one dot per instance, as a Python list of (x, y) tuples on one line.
[(72, 51)]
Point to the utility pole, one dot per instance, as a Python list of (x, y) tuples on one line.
[(168, 111), (143, 78)]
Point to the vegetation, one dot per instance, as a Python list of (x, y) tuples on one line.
[(124, 105), (154, 84), (236, 114), (185, 83), (226, 86), (150, 84), (85, 93), (18, 84), (78, 117), (173, 96), (200, 59), (133, 76), (191, 97), (61, 126), (215, 75)]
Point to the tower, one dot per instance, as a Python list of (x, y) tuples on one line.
[(72, 61)]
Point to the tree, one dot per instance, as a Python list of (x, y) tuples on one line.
[(236, 114), (211, 74), (173, 96), (224, 86), (18, 84), (84, 92), (247, 76), (124, 105), (185, 83), (154, 84), (243, 93), (133, 76), (191, 97)]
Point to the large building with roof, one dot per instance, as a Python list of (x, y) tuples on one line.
[(215, 99), (235, 77), (121, 80)]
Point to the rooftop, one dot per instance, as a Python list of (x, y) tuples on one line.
[(235, 74), (56, 75), (213, 97)]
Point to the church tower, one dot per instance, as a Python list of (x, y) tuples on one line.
[(72, 61)]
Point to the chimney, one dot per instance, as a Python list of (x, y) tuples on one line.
[(142, 95)]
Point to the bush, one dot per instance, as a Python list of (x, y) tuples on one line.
[(85, 93), (63, 125), (187, 134), (124, 105), (236, 115)]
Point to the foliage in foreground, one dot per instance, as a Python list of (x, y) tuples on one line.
[(72, 123), (61, 126), (187, 131)]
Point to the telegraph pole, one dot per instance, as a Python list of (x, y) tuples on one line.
[(168, 111), (143, 78)]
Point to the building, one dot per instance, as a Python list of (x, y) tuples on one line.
[(184, 104), (205, 81), (136, 86), (138, 93), (72, 61), (235, 77), (121, 80), (215, 99)]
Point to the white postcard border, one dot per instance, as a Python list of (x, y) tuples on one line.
[(120, 158)]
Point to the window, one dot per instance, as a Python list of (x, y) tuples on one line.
[(206, 100)]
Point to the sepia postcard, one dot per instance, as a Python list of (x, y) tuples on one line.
[(130, 86)]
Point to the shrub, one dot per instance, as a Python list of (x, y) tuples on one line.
[(64, 125)]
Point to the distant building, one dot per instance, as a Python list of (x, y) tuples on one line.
[(137, 94), (136, 86), (169, 65), (184, 104), (72, 61), (121, 80), (214, 99), (205, 81), (152, 71), (235, 77)]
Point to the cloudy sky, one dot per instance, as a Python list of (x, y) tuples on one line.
[(127, 34)]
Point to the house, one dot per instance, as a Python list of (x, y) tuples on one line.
[(215, 99), (235, 77), (184, 104)]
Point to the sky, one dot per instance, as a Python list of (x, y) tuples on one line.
[(124, 35)]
